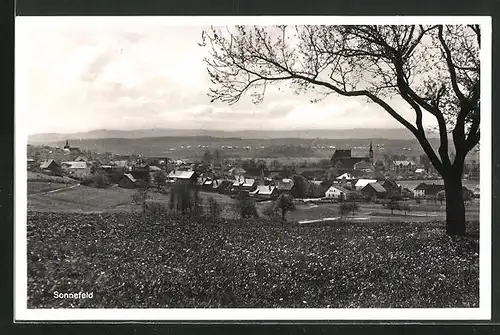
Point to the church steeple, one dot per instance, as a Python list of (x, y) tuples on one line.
[(67, 145)]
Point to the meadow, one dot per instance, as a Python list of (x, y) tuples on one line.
[(159, 261)]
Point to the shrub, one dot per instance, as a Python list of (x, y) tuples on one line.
[(214, 208), (348, 207), (284, 203), (139, 197), (246, 206), (98, 180), (185, 199)]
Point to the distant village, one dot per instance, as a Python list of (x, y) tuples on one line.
[(343, 177)]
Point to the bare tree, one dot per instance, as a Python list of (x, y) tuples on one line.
[(434, 69)]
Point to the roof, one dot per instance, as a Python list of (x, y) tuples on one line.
[(46, 164), (264, 190), (376, 187), (363, 165), (284, 184), (249, 182), (154, 168), (237, 170), (75, 165), (348, 163), (404, 163), (239, 180), (81, 159), (364, 182), (345, 175), (130, 177), (179, 174), (340, 188), (419, 170), (429, 187)]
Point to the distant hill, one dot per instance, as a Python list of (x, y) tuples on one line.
[(358, 133)]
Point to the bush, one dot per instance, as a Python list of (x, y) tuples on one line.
[(214, 208), (284, 203), (139, 197), (185, 199), (348, 207), (98, 180), (246, 206)]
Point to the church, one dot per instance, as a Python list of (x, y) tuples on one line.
[(343, 160), (67, 148)]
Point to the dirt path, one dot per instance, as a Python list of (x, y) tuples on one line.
[(56, 190)]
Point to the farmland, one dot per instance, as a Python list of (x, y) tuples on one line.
[(97, 240), (131, 260)]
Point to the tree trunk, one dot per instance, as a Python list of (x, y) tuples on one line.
[(455, 208)]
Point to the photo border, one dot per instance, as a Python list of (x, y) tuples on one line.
[(477, 7)]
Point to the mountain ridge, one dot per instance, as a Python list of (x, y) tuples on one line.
[(359, 133)]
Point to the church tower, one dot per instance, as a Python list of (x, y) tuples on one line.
[(371, 152), (67, 145)]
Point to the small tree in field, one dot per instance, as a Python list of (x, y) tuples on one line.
[(246, 206), (348, 207), (284, 204), (214, 208), (159, 180), (431, 69)]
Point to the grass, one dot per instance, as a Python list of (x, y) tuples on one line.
[(132, 260), (35, 187)]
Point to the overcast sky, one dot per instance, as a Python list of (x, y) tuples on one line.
[(125, 74)]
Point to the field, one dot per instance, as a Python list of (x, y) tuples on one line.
[(131, 260), (83, 199)]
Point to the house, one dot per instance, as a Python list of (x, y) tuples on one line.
[(374, 190), (153, 168), (420, 173), (364, 167), (360, 183), (345, 176), (77, 169), (338, 192), (81, 159), (237, 171), (222, 186), (402, 166), (265, 192), (423, 190), (127, 181), (316, 189), (242, 184), (51, 167), (182, 176), (284, 186)]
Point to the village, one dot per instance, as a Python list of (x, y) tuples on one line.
[(341, 179)]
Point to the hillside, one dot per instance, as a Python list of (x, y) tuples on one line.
[(195, 146), (244, 134)]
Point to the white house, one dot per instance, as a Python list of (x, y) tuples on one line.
[(265, 192), (363, 182), (346, 176), (337, 192)]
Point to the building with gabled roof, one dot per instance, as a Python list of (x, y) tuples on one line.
[(265, 192), (360, 183), (127, 181), (338, 192), (374, 190)]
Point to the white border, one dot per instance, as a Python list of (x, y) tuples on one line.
[(21, 313)]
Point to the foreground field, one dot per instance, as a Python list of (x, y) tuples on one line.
[(132, 260)]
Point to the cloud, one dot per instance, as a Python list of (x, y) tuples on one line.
[(92, 74)]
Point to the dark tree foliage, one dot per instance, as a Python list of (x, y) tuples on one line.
[(434, 69), (284, 204), (246, 206)]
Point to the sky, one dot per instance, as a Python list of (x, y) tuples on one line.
[(99, 73)]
